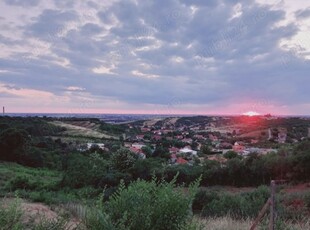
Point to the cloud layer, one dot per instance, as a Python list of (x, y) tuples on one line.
[(155, 56)]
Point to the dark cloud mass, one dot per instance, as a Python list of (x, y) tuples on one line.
[(212, 54), (305, 13)]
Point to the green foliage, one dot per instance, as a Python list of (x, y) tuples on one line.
[(35, 126), (22, 182), (239, 206), (84, 170), (307, 200), (13, 144), (112, 128), (231, 155), (123, 160), (145, 205), (14, 176), (147, 151), (10, 216), (205, 149)]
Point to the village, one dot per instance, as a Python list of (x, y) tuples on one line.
[(188, 140)]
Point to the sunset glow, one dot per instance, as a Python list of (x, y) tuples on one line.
[(251, 113)]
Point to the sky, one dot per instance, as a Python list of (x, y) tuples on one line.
[(155, 57)]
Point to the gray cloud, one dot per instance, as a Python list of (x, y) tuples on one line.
[(22, 3), (301, 14), (194, 52)]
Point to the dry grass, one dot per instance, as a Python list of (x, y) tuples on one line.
[(224, 223), (78, 130), (228, 223)]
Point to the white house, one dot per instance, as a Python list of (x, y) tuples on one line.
[(187, 150), (100, 145)]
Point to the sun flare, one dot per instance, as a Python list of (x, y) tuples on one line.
[(251, 113)]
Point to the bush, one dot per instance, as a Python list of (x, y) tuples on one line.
[(239, 206), (22, 182), (144, 205)]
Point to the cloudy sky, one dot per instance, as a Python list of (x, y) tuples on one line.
[(159, 57)]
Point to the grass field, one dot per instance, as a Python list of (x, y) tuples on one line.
[(41, 197), (82, 130), (11, 173)]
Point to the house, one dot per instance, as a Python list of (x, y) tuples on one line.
[(138, 152), (213, 137), (173, 158), (127, 144), (100, 145), (173, 150), (199, 137), (188, 140), (282, 137), (217, 158), (254, 141), (165, 131), (140, 137), (181, 161), (138, 145), (225, 145), (238, 147), (157, 137), (144, 130), (188, 151), (157, 132)]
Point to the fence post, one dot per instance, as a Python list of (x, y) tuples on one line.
[(261, 214), (272, 205)]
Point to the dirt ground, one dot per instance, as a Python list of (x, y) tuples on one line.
[(34, 213)]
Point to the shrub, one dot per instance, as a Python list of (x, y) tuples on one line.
[(144, 205), (22, 182), (239, 206)]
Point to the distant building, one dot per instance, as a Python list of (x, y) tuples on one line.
[(187, 150), (100, 145), (138, 145), (238, 147), (181, 161)]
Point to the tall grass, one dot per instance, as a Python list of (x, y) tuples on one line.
[(10, 215), (229, 223)]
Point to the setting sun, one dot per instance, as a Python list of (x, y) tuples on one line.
[(251, 113)]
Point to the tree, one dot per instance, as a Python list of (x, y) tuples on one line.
[(147, 151), (231, 155), (13, 144), (205, 149), (123, 160)]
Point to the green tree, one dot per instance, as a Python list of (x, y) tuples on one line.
[(123, 160), (231, 155), (205, 149), (147, 151), (13, 144)]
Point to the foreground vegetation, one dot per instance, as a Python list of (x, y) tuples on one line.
[(115, 189)]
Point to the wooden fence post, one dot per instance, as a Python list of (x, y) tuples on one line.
[(272, 205), (260, 215)]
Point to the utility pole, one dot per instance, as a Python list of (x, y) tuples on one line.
[(3, 110)]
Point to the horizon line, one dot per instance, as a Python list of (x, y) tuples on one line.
[(158, 114)]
